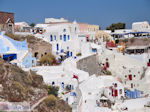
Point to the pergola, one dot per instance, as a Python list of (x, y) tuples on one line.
[(137, 49)]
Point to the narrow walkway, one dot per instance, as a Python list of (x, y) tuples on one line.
[(37, 103), (76, 104)]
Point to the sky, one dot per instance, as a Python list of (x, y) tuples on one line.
[(100, 12)]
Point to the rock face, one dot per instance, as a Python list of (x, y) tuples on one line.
[(39, 47), (89, 64), (17, 85), (59, 106)]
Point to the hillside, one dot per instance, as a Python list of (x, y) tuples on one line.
[(17, 85)]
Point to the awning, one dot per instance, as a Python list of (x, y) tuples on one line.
[(9, 57)]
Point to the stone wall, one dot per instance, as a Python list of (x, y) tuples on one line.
[(90, 65)]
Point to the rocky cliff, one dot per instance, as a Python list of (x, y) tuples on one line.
[(17, 85)]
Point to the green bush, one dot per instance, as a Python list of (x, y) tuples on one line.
[(48, 59), (53, 90), (125, 40), (108, 72), (50, 100), (78, 54)]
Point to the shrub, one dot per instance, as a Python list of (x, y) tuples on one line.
[(1, 61), (145, 39), (68, 88), (53, 90), (125, 40), (108, 72), (50, 100), (78, 54), (48, 59)]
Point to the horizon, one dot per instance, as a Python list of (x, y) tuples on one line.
[(102, 13)]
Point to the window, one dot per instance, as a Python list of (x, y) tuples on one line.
[(51, 37), (7, 48), (57, 47), (62, 50), (75, 29), (68, 37), (36, 54), (32, 61), (130, 77), (60, 37), (64, 37), (70, 53), (131, 85), (55, 37), (64, 30), (120, 91)]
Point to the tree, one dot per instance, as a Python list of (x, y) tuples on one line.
[(48, 59), (116, 26), (32, 24)]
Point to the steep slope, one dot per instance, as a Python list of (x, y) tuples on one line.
[(17, 85)]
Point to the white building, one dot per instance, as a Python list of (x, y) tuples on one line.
[(54, 20), (16, 52), (141, 26), (22, 27), (64, 38), (129, 70)]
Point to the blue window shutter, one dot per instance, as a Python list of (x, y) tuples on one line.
[(64, 37), (51, 38)]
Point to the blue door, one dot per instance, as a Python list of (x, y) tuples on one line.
[(64, 37), (57, 47), (67, 53), (70, 53)]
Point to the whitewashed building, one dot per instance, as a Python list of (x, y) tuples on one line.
[(64, 37), (16, 52), (141, 26), (22, 27)]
